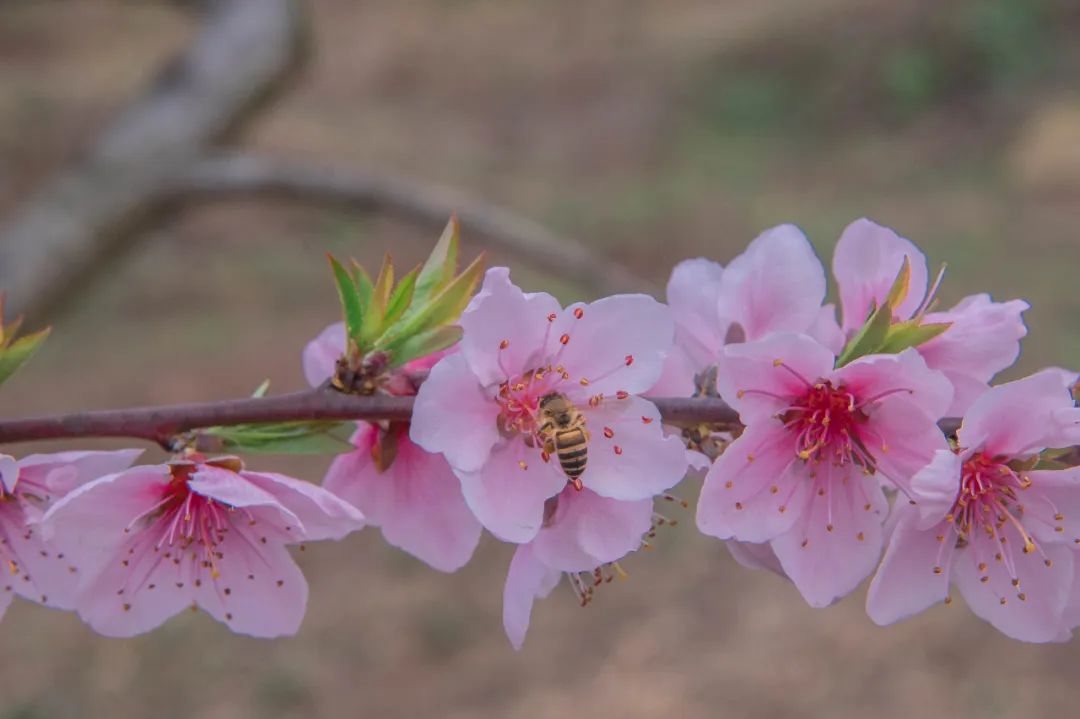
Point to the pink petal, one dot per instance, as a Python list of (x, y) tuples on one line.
[(9, 472), (508, 499), (1053, 494), (1038, 617), (321, 354), (618, 343), (983, 340), (1022, 418), (693, 293), (235, 490), (902, 377), (755, 556), (934, 487), (323, 514), (903, 439), (776, 285), (638, 460), (417, 501), (677, 377), (826, 329), (906, 582), (588, 530), (826, 564), (60, 472), (453, 416), (527, 580), (260, 591), (35, 570), (499, 313), (737, 499), (759, 379), (867, 260)]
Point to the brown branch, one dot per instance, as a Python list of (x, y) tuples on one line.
[(162, 424), (228, 175)]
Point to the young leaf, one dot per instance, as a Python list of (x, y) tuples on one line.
[(261, 390), (424, 343), (911, 334), (439, 268), (868, 339), (900, 286), (401, 298), (363, 282), (349, 295), (16, 353), (319, 437), (445, 308), (376, 311)]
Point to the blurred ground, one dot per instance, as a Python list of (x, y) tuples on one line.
[(652, 130)]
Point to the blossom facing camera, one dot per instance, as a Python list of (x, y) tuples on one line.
[(154, 540), (481, 408), (35, 570), (411, 495), (806, 474), (990, 521)]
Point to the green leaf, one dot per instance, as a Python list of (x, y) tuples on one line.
[(320, 437), (261, 390), (351, 304), (443, 309), (425, 343), (900, 286), (911, 334), (439, 268), (401, 298), (868, 339), (363, 282), (15, 354), (375, 316)]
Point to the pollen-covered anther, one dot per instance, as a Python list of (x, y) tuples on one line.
[(583, 382), (564, 339), (504, 344), (522, 464)]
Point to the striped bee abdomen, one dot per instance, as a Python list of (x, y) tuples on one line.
[(572, 449)]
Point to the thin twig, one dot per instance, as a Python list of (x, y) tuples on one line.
[(228, 175), (162, 424)]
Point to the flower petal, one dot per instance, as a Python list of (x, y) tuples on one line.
[(37, 571), (500, 313), (1044, 580), (755, 556), (826, 329), (507, 498), (60, 472), (321, 354), (1052, 506), (915, 571), (899, 377), (983, 340), (527, 581), (903, 439), (693, 293), (9, 472), (837, 542), (235, 490), (867, 260), (638, 460), (677, 377), (453, 416), (759, 379), (587, 531), (323, 514), (755, 491), (934, 487), (1022, 418), (417, 500), (617, 343), (776, 285)]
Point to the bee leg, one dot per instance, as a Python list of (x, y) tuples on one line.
[(549, 446), (576, 481)]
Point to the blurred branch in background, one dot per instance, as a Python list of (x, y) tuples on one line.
[(162, 152)]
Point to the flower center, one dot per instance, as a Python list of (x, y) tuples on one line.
[(988, 499), (828, 423)]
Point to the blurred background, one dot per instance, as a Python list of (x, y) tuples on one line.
[(650, 131)]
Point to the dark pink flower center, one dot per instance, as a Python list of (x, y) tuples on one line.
[(829, 425), (988, 499)]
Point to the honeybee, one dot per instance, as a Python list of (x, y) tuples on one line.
[(563, 431)]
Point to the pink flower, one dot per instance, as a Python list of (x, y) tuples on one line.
[(984, 338), (154, 540), (413, 497), (806, 473), (583, 534), (1002, 532), (777, 284), (34, 569), (481, 408)]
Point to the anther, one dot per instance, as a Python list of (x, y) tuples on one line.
[(629, 360), (622, 394), (564, 339), (552, 317), (618, 449), (521, 463), (646, 420), (504, 344), (609, 432), (579, 313)]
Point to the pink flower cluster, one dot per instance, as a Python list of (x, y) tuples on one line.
[(537, 427)]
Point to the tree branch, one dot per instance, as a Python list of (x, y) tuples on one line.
[(227, 175), (161, 424)]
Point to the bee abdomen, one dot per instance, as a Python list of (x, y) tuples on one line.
[(572, 448)]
